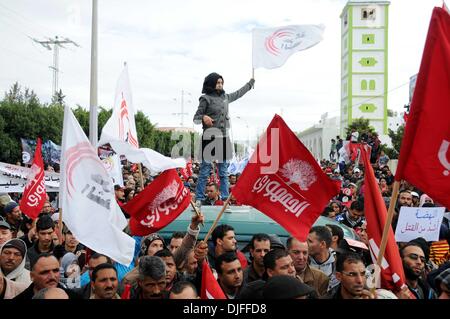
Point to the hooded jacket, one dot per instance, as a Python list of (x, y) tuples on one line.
[(328, 267), (215, 104), (20, 274), (12, 288)]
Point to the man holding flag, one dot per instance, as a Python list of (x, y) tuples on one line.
[(212, 113)]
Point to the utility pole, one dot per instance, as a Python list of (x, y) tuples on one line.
[(56, 44), (93, 112), (182, 108)]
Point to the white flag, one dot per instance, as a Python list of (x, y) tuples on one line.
[(121, 125), (273, 46), (120, 132), (88, 202)]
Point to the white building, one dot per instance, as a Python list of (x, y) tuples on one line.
[(318, 137), (364, 55)]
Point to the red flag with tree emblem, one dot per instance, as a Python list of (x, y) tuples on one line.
[(158, 204), (423, 159), (288, 185), (34, 194), (210, 287)]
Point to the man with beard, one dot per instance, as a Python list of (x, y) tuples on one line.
[(13, 216), (351, 273), (212, 113), (151, 281), (413, 259)]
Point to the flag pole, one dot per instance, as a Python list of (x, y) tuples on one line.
[(60, 223), (217, 218), (387, 225), (140, 173), (196, 210), (253, 76)]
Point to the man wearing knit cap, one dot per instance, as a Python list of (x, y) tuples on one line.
[(13, 216), (12, 261), (5, 232)]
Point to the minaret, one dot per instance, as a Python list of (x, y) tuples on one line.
[(364, 63)]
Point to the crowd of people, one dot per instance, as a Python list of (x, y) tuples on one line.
[(40, 261)]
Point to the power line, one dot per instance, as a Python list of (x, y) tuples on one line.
[(56, 44)]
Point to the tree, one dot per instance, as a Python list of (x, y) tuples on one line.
[(360, 125), (23, 116), (396, 139)]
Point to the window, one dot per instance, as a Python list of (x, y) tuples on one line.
[(372, 85), (368, 38), (363, 85), (368, 14)]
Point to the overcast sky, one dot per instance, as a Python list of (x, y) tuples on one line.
[(172, 45)]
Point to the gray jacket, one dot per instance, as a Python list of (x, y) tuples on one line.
[(216, 107)]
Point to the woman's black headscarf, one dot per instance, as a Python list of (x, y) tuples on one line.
[(209, 85)]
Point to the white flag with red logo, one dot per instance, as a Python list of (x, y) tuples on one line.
[(158, 204), (120, 132), (89, 208), (210, 287), (121, 125), (273, 46), (34, 194)]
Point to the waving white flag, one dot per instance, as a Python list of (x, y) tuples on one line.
[(120, 132), (89, 208), (121, 125), (273, 46)]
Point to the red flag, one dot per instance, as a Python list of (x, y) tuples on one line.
[(126, 292), (34, 194), (158, 204), (392, 275), (187, 171), (210, 287), (288, 185), (423, 159)]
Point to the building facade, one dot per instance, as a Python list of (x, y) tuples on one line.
[(318, 137), (364, 63)]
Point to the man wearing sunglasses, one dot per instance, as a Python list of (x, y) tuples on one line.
[(351, 273), (413, 259)]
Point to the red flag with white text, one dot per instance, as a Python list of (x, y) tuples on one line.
[(210, 287), (34, 194), (392, 275), (187, 171), (158, 204), (288, 185), (424, 154)]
